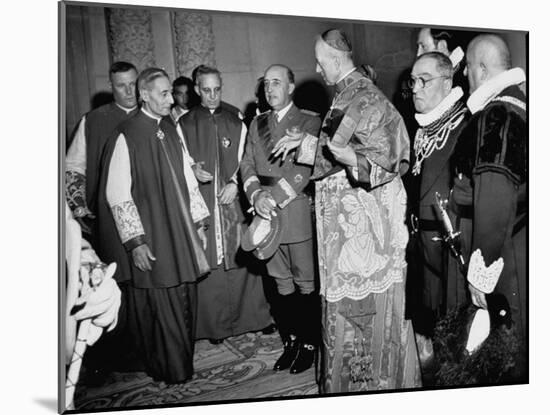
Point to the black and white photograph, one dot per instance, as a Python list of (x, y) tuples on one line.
[(306, 211)]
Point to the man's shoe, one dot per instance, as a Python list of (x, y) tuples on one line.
[(288, 356), (215, 341), (304, 359)]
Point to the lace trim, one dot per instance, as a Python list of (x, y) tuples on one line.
[(75, 189), (483, 277), (127, 220), (434, 136)]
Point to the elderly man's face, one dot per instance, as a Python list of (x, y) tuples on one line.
[(123, 85), (210, 90), (277, 87), (436, 87), (326, 63), (158, 97)]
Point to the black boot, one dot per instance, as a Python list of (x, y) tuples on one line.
[(287, 330), (289, 354), (309, 332)]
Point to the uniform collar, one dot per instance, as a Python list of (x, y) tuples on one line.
[(281, 113)]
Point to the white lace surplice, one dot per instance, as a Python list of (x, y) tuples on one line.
[(362, 237)]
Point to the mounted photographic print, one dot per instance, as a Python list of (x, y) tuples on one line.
[(263, 207)]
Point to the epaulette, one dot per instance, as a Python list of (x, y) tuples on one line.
[(308, 112)]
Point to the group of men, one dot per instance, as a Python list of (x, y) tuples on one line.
[(471, 151), (166, 194)]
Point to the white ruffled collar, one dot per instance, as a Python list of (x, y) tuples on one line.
[(444, 106), (494, 86)]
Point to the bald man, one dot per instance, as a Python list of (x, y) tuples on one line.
[(360, 203), (491, 179)]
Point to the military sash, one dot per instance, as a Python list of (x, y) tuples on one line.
[(265, 134)]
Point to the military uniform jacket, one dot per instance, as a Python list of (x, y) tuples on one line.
[(286, 180)]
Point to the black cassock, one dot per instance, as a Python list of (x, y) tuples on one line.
[(160, 304)]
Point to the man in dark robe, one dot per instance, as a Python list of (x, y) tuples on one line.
[(231, 300), (490, 165), (148, 229), (84, 155), (441, 114)]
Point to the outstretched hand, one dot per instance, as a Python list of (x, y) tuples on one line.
[(289, 142)]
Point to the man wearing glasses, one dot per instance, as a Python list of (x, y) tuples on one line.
[(440, 114)]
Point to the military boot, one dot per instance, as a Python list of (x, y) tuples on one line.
[(309, 332)]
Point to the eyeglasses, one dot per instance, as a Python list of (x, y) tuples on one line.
[(411, 83)]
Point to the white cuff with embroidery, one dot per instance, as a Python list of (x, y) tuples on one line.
[(483, 277), (127, 220)]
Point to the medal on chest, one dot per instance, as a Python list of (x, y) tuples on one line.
[(226, 142)]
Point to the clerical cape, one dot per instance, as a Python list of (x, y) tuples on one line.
[(155, 193)]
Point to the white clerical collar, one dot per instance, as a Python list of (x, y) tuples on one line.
[(126, 110), (426, 119), (281, 113), (456, 56), (151, 115), (494, 86), (345, 75)]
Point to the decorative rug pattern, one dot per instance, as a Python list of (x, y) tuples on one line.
[(239, 368)]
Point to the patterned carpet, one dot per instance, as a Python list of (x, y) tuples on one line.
[(239, 368)]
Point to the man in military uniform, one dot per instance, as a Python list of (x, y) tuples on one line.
[(360, 206), (440, 114), (276, 187), (490, 183), (84, 154)]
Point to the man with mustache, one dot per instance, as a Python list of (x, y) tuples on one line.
[(277, 187)]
